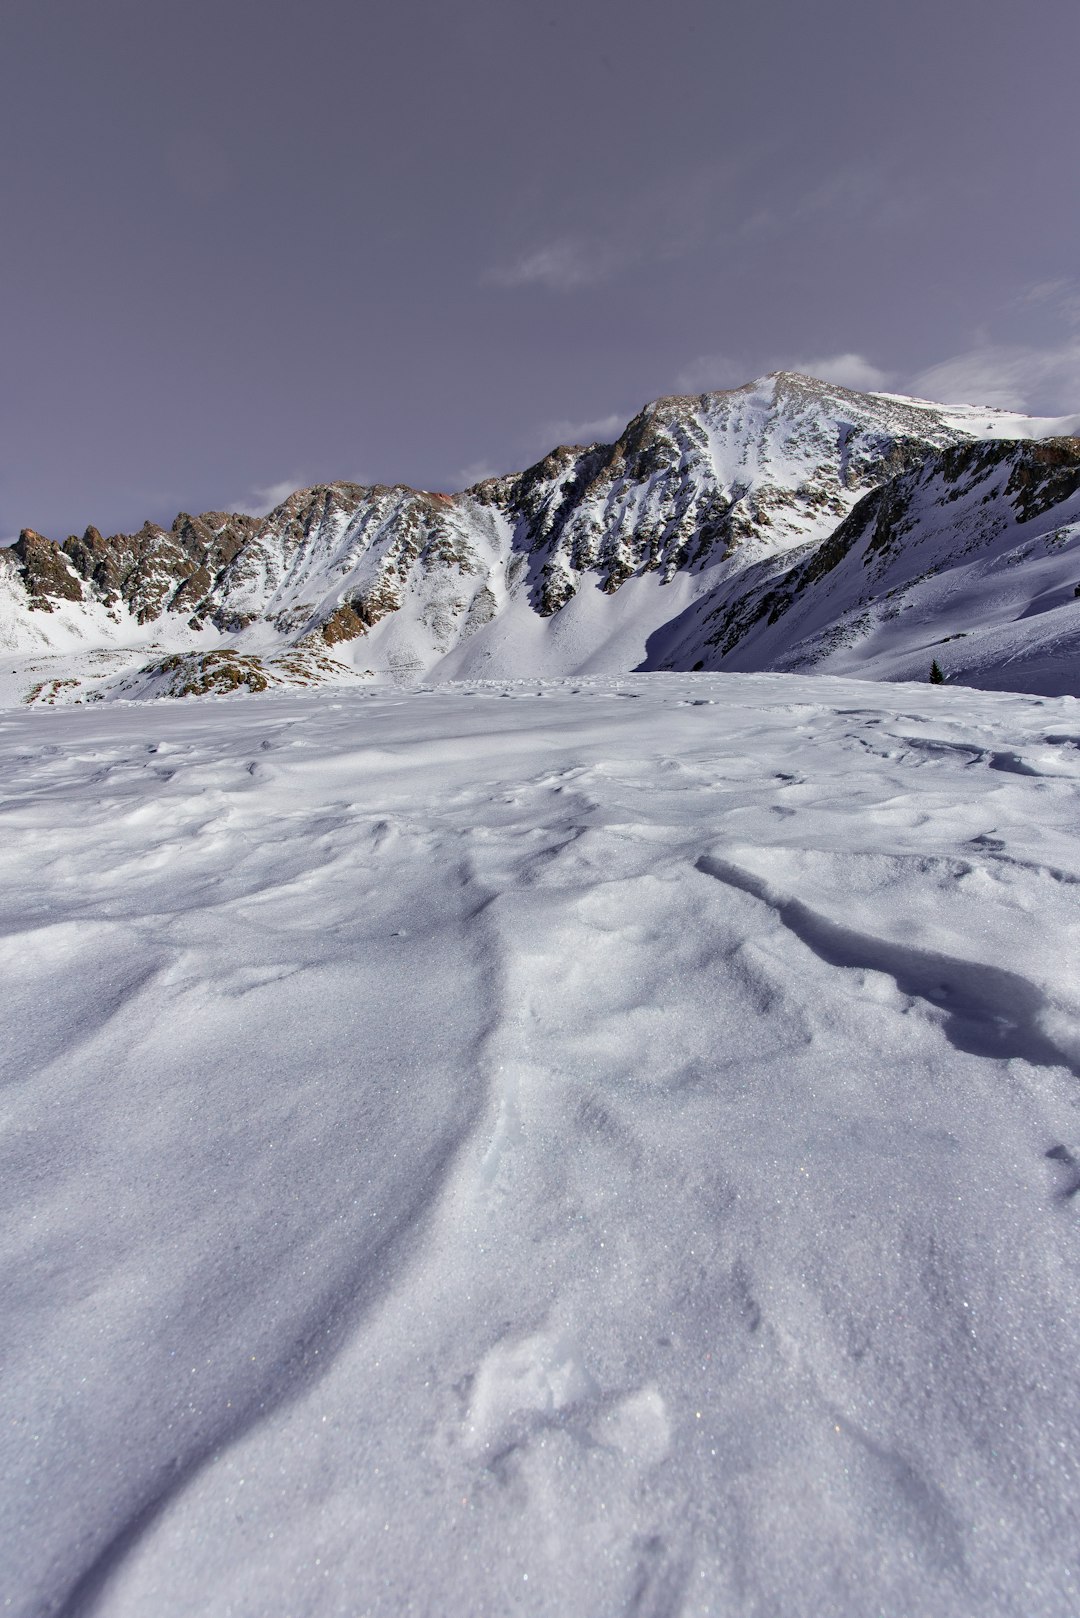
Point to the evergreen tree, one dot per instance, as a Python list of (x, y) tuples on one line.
[(936, 676)]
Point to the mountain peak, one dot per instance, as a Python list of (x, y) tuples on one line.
[(700, 499)]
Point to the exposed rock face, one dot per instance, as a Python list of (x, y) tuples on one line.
[(693, 479), (150, 572), (47, 573), (962, 518), (1046, 474), (753, 499), (688, 480)]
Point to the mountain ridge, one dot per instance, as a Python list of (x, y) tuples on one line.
[(698, 497)]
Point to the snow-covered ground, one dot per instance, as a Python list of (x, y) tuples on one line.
[(578, 1148)]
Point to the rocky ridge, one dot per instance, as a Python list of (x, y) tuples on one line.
[(711, 515)]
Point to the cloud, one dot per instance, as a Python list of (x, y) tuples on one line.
[(601, 430), (1010, 376), (688, 207), (560, 266), (712, 372), (846, 370), (875, 195), (262, 499), (466, 477), (1061, 296)]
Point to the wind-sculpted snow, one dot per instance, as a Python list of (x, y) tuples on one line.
[(574, 1147)]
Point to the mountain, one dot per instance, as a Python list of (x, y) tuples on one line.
[(976, 550), (732, 529)]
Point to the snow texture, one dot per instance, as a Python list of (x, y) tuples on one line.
[(604, 1147)]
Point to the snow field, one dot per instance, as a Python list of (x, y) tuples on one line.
[(594, 1147)]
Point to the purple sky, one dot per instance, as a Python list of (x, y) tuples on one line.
[(255, 243)]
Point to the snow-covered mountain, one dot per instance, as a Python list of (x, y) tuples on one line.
[(971, 559), (666, 549)]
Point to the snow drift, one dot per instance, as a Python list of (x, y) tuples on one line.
[(605, 1147)]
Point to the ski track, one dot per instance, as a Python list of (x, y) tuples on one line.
[(468, 1153)]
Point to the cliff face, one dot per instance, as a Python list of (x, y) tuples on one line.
[(714, 510)]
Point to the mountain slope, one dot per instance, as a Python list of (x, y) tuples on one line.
[(977, 549), (648, 552)]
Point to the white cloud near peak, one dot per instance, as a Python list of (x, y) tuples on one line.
[(712, 372), (1009, 376), (845, 370), (600, 430), (262, 499), (466, 477)]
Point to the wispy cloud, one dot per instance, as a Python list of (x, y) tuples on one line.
[(600, 430), (686, 210), (1011, 376), (561, 266), (846, 370), (263, 498), (877, 195), (1061, 295), (712, 372), (476, 472), (1028, 359)]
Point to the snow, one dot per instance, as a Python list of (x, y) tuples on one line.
[(991, 593), (586, 1147), (657, 555), (990, 421)]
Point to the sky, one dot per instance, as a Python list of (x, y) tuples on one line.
[(255, 244)]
